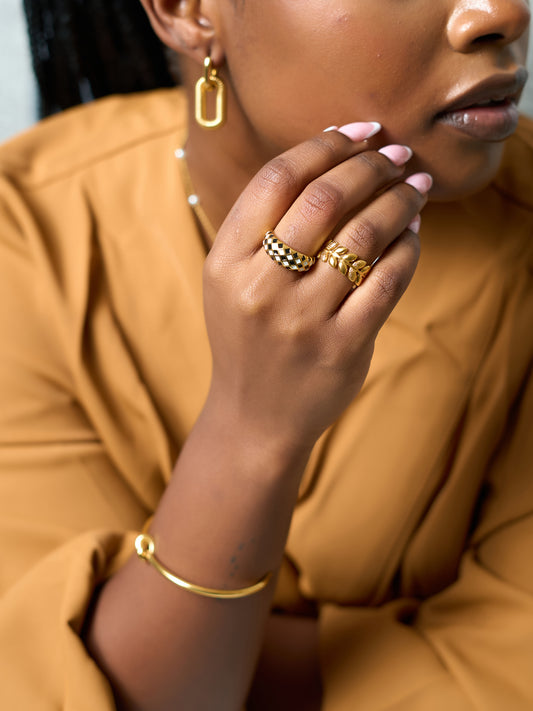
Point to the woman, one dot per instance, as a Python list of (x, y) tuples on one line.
[(404, 581)]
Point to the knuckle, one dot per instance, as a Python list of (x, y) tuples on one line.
[(407, 198), (289, 329), (326, 145), (247, 298), (363, 236), (389, 284), (296, 326), (369, 160), (277, 176), (213, 270), (249, 304), (297, 337), (320, 199)]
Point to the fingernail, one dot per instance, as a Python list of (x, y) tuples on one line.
[(414, 226), (360, 131), (331, 128), (399, 155), (421, 182)]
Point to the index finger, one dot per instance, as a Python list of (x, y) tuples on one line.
[(276, 186)]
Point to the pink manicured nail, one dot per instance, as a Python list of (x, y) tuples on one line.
[(421, 182), (414, 226), (399, 155), (331, 128), (360, 131)]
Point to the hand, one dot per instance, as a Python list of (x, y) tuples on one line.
[(291, 350)]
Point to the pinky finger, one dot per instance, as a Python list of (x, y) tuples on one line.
[(366, 309), (414, 226)]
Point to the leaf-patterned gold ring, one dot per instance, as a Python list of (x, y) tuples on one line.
[(346, 262)]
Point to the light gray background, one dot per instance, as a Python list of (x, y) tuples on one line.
[(17, 94)]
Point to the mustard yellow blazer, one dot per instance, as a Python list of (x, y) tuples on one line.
[(413, 538)]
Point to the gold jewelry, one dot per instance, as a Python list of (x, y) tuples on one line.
[(193, 198), (145, 549), (210, 82), (347, 263), (285, 255)]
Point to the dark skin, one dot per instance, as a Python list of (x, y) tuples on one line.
[(423, 55), (230, 501)]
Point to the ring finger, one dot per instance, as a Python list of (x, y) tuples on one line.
[(363, 239)]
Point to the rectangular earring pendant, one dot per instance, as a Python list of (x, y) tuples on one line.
[(204, 86)]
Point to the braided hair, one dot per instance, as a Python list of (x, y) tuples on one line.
[(84, 49)]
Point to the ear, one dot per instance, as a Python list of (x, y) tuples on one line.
[(187, 26)]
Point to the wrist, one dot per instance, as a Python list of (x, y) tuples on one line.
[(232, 495), (257, 439)]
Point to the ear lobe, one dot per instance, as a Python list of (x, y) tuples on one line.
[(185, 27)]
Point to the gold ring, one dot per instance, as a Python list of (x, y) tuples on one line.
[(285, 255), (346, 262)]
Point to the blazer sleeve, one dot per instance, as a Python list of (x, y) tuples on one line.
[(66, 517), (469, 647)]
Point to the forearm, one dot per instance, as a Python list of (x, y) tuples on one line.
[(288, 673), (222, 522), (289, 355)]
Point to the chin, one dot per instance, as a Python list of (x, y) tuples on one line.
[(471, 174)]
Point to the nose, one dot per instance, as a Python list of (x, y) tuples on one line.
[(475, 22)]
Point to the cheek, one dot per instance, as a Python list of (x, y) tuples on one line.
[(309, 81), (286, 74), (301, 66)]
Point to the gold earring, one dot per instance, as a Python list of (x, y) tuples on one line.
[(210, 82)]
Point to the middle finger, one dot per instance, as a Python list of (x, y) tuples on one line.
[(331, 198)]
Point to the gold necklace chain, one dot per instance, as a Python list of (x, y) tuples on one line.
[(192, 196)]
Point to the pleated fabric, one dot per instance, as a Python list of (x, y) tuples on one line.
[(413, 534)]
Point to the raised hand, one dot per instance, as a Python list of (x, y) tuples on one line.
[(292, 349)]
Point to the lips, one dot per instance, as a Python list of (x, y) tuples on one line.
[(488, 110)]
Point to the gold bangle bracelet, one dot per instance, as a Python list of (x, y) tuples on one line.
[(145, 549)]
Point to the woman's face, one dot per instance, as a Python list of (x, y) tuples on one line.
[(442, 76)]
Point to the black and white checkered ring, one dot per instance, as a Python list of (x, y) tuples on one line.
[(286, 256)]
